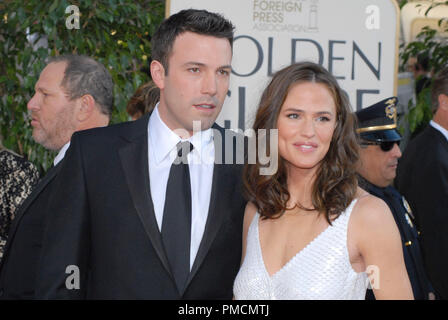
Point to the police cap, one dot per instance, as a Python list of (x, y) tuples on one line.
[(378, 122)]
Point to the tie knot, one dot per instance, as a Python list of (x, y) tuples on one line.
[(183, 149)]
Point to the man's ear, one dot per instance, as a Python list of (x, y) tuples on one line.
[(86, 108), (443, 101), (158, 73)]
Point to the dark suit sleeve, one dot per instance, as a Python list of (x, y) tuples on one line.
[(65, 248), (433, 208)]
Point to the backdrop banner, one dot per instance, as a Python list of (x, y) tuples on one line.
[(356, 40)]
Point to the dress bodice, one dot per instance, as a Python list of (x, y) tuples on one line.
[(320, 271)]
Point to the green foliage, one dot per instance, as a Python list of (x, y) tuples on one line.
[(426, 44), (114, 32), (420, 113), (437, 51)]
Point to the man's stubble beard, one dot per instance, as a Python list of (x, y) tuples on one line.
[(63, 126)]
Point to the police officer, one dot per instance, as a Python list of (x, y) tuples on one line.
[(377, 167)]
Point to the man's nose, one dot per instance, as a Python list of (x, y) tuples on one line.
[(396, 152), (209, 84), (33, 103)]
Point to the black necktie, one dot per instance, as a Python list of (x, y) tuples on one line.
[(176, 222)]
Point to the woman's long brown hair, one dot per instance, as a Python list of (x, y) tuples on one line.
[(336, 182)]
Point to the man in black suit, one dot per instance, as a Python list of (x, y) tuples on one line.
[(154, 210), (379, 156), (73, 93), (423, 178), (421, 70)]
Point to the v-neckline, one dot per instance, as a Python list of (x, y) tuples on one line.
[(293, 257)]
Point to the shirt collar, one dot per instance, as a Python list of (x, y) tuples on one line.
[(164, 140), (369, 187), (437, 126), (61, 154), (200, 140)]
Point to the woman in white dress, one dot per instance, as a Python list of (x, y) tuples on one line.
[(309, 231)]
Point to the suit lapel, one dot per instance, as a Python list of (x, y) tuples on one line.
[(134, 158), (216, 210), (439, 136), (51, 174), (214, 219)]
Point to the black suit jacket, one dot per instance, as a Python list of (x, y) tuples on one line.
[(22, 252), (421, 287), (102, 221), (422, 177)]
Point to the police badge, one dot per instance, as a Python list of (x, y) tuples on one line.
[(391, 110), (409, 211)]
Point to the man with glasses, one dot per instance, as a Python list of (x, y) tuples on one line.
[(377, 167)]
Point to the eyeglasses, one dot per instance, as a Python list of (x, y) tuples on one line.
[(384, 145)]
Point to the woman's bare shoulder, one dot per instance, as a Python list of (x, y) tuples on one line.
[(249, 213), (371, 214)]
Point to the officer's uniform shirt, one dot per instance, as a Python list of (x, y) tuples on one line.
[(401, 211)]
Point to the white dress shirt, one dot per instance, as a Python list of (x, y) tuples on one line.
[(162, 151), (61, 154), (437, 126)]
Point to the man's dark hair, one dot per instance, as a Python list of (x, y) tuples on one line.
[(197, 21), (439, 86), (422, 62), (84, 75)]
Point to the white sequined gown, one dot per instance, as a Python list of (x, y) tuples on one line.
[(320, 271)]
